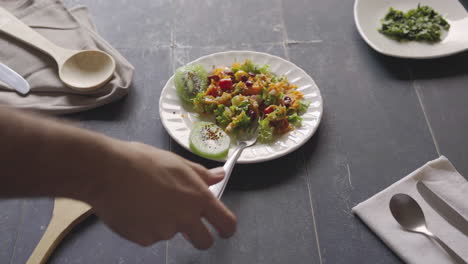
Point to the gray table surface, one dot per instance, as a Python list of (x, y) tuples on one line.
[(383, 118)]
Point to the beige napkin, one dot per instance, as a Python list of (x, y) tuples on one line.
[(442, 178), (71, 29)]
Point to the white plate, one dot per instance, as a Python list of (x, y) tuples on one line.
[(178, 122), (368, 13)]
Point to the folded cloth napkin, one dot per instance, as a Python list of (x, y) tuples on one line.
[(72, 29), (442, 178)]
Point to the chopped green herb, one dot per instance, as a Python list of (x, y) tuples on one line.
[(420, 24)]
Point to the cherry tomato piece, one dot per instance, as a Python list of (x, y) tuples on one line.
[(268, 110), (225, 84)]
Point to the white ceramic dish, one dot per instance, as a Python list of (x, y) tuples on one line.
[(178, 122), (368, 13)]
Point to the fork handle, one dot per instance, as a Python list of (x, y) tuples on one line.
[(218, 188)]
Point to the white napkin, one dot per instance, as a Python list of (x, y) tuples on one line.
[(69, 28), (443, 179)]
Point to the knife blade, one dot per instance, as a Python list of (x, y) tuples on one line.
[(443, 208), (13, 79)]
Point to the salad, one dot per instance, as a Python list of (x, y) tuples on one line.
[(243, 95)]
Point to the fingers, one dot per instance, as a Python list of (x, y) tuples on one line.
[(199, 235), (221, 218), (210, 177)]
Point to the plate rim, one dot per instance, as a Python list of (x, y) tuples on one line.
[(260, 160)]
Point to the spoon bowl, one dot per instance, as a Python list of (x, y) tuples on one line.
[(368, 13), (407, 212), (87, 69)]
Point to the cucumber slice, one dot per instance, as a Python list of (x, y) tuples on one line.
[(189, 81), (209, 140)]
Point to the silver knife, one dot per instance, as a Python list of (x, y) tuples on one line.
[(443, 208), (14, 80)]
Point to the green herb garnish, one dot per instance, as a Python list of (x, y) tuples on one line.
[(420, 24)]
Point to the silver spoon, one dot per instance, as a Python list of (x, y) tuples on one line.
[(409, 215)]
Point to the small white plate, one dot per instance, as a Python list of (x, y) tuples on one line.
[(178, 122), (368, 13)]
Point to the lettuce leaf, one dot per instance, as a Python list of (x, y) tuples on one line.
[(303, 106), (295, 119), (241, 120), (223, 115), (249, 66), (265, 131), (201, 105), (268, 99)]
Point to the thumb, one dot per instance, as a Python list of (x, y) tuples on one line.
[(211, 176), (217, 175), (218, 172)]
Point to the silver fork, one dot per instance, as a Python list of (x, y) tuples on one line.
[(244, 141)]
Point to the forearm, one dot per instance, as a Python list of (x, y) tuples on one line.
[(42, 157)]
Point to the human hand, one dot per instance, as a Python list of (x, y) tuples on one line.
[(149, 195), (143, 193)]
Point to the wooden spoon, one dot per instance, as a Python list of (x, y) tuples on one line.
[(67, 213), (84, 70)]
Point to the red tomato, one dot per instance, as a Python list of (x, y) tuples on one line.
[(225, 84), (268, 110)]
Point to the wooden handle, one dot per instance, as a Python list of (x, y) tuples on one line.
[(14, 27), (67, 213)]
